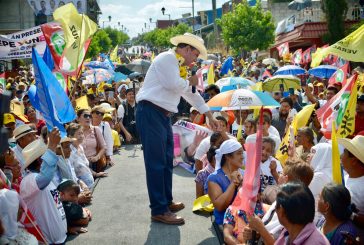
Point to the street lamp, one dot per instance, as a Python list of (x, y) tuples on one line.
[(103, 23), (163, 12)]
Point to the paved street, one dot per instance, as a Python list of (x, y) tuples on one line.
[(121, 214)]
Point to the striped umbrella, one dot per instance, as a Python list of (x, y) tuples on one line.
[(241, 99), (281, 82)]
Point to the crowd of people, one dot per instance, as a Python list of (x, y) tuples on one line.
[(51, 179)]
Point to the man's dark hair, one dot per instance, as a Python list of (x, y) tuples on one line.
[(69, 185), (332, 88), (298, 203), (211, 153), (221, 118), (287, 100), (215, 137), (212, 87)]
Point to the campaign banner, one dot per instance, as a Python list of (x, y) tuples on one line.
[(19, 45), (47, 7)]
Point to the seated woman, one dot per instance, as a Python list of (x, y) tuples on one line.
[(78, 158), (305, 141), (296, 210), (335, 205), (224, 182)]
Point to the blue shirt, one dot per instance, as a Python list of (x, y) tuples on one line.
[(220, 178)]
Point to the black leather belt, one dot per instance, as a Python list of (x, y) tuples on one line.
[(164, 111)]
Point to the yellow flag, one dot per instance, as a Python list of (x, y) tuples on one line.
[(257, 87), (299, 121), (230, 73), (114, 54), (350, 48), (17, 108), (211, 75), (240, 130), (77, 29), (82, 103), (347, 125), (152, 58), (336, 168)]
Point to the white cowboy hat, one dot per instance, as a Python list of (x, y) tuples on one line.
[(354, 146), (33, 151), (193, 40), (22, 130)]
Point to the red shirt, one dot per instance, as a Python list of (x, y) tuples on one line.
[(359, 124)]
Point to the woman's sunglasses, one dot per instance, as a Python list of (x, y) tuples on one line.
[(86, 116)]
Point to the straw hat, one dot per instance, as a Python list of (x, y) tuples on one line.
[(107, 107), (33, 151), (22, 130), (192, 40), (66, 139), (354, 146)]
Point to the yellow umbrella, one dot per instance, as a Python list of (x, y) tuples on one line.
[(281, 82)]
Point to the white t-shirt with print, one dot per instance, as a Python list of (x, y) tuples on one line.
[(265, 174), (253, 138), (47, 208)]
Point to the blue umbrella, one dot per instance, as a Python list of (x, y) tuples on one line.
[(323, 71), (234, 81), (290, 70)]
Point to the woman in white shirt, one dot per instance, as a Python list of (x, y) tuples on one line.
[(78, 158)]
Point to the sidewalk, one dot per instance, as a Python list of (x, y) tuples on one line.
[(121, 214)]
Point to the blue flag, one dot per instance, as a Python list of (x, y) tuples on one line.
[(48, 59), (51, 100), (228, 65)]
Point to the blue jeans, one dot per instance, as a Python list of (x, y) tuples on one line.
[(156, 135)]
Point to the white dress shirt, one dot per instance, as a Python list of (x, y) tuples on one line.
[(107, 134), (164, 87)]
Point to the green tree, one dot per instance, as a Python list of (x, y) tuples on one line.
[(335, 12), (159, 38), (100, 43), (247, 28), (117, 37)]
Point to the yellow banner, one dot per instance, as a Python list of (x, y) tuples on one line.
[(82, 103), (211, 75), (350, 48), (299, 121), (347, 125), (114, 54)]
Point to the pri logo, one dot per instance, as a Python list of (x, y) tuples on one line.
[(339, 76), (58, 42)]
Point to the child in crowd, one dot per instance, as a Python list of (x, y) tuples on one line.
[(115, 134), (201, 177), (270, 167), (76, 216)]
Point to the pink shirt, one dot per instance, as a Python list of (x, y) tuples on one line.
[(308, 236), (89, 144)]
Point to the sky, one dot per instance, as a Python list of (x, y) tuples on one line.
[(132, 14)]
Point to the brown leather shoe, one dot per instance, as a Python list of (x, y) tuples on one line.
[(169, 219), (176, 206)]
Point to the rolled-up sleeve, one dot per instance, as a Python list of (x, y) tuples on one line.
[(47, 169), (196, 100), (168, 75)]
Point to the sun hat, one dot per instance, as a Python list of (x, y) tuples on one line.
[(193, 40), (107, 107), (8, 118), (66, 139), (98, 108), (193, 109), (354, 146), (33, 151), (22, 130)]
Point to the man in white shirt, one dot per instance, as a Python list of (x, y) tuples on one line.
[(157, 100), (126, 118), (353, 163)]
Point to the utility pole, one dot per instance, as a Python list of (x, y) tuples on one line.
[(214, 15), (193, 16)]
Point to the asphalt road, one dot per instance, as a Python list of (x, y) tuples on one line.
[(121, 213)]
